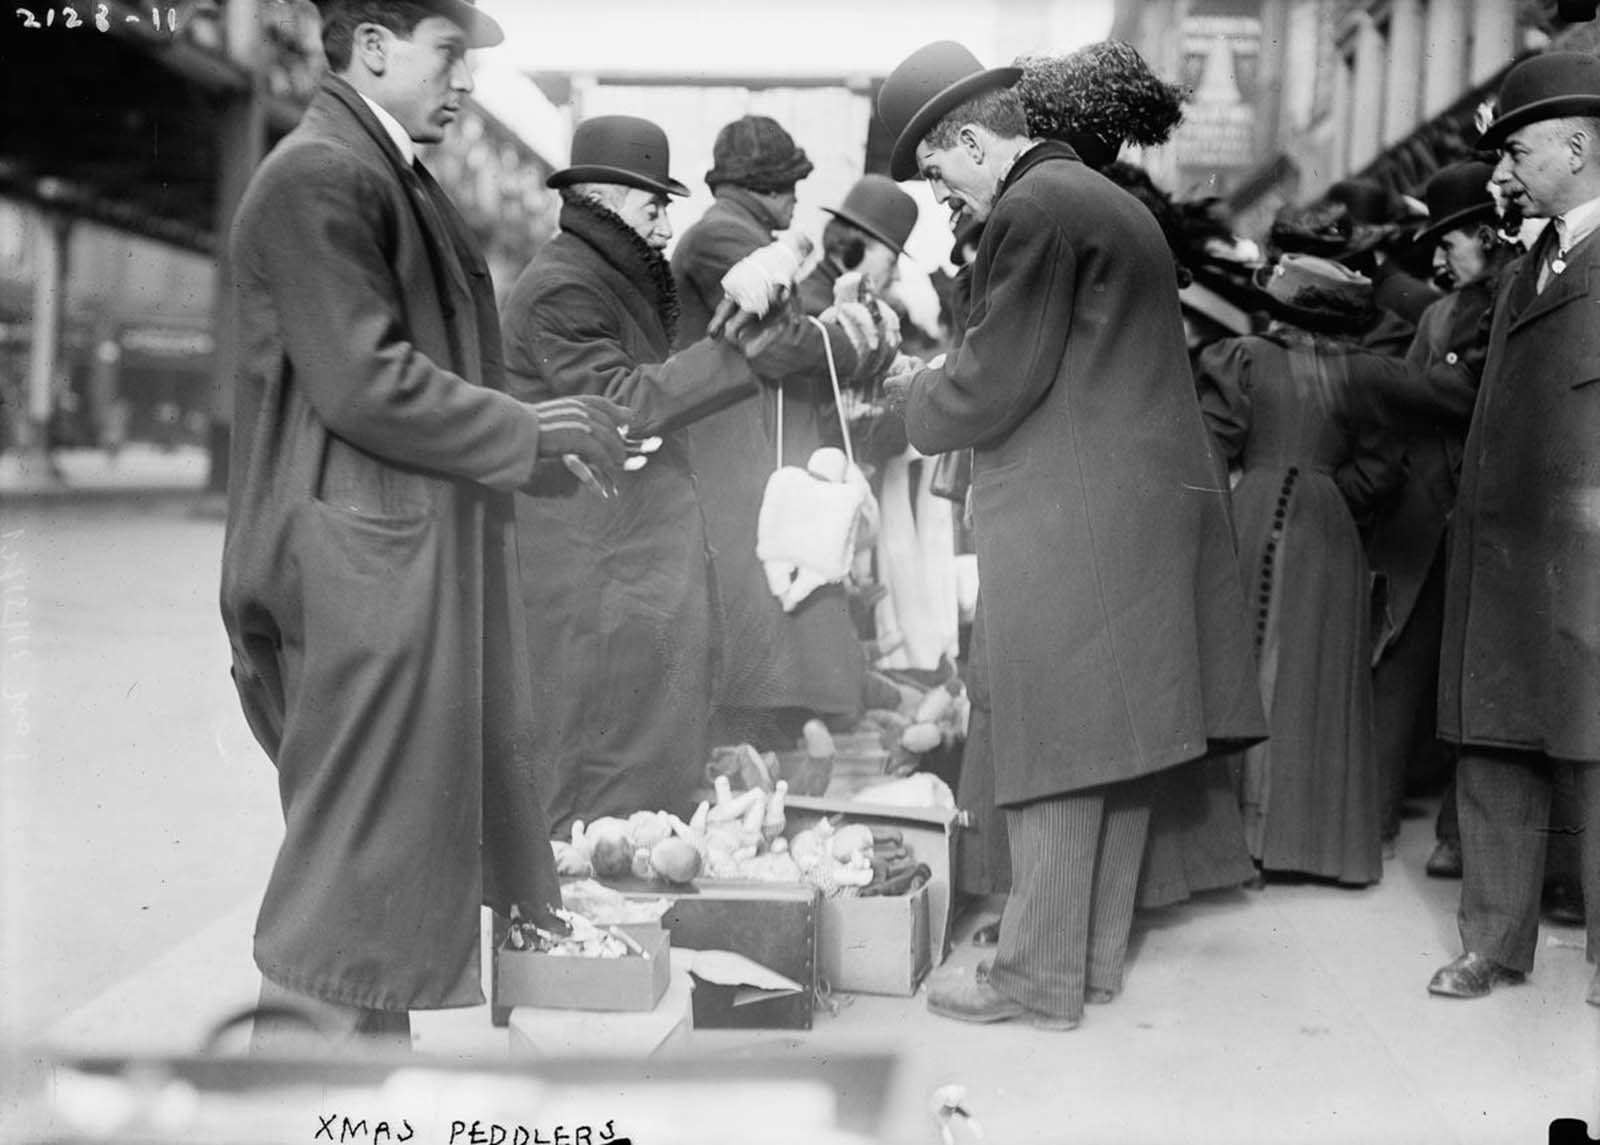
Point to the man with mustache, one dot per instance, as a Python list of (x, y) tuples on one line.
[(1117, 641), (1520, 669), (369, 571)]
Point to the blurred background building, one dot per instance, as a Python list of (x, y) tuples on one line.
[(116, 191), (113, 197), (1291, 96)]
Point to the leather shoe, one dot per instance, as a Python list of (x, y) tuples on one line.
[(1094, 995), (987, 934), (1445, 862), (976, 1000), (1472, 976)]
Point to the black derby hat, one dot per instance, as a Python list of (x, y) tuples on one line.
[(1457, 196), (1547, 86), (878, 206), (482, 30), (928, 84), (619, 149)]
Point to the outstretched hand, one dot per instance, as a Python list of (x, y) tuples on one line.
[(586, 433)]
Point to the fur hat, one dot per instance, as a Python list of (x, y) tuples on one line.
[(1098, 98), (756, 152)]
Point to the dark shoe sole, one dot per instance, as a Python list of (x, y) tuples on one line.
[(990, 1017), (1503, 978)]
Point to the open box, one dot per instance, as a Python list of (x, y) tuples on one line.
[(875, 945), (630, 983), (929, 832)]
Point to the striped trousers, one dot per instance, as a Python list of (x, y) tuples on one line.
[(1075, 874)]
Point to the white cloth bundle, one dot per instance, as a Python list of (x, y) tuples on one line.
[(810, 521)]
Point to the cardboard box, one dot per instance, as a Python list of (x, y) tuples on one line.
[(930, 833), (632, 983), (561, 1034), (876, 945)]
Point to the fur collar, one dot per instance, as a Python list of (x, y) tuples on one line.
[(620, 245)]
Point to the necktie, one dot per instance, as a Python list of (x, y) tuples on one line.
[(1555, 260)]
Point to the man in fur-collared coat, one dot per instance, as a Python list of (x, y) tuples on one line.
[(369, 569), (1117, 639), (618, 589), (1519, 675)]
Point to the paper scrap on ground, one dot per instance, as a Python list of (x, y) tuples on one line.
[(753, 981)]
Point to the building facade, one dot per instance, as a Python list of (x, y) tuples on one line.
[(1291, 96)]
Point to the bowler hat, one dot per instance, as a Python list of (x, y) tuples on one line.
[(756, 152), (1547, 86), (619, 149), (1457, 196), (482, 30), (1317, 293), (928, 84), (878, 206)]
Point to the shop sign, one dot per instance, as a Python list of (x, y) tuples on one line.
[(1221, 66)]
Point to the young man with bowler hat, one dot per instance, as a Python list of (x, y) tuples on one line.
[(1520, 668), (1407, 546), (1117, 638), (866, 235), (617, 589), (369, 570)]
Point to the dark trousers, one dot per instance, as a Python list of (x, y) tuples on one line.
[(1075, 871), (1503, 798)]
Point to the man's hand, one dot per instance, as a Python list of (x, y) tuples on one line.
[(896, 384), (585, 432)]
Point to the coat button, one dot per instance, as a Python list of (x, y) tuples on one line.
[(1452, 357)]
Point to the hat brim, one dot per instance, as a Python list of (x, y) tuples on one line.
[(599, 173), (861, 225), (1495, 135), (1430, 235), (483, 30), (903, 157), (1315, 319)]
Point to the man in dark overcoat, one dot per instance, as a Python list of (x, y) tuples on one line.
[(617, 589), (1407, 545), (1117, 639), (369, 571), (1519, 674)]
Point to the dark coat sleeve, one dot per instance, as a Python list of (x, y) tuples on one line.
[(331, 222), (792, 346), (568, 336), (1222, 373), (1376, 467), (1008, 357)]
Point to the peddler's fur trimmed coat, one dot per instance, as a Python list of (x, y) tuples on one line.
[(369, 572), (1520, 666), (618, 591), (1118, 641)]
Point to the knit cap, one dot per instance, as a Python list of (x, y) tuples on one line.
[(756, 152)]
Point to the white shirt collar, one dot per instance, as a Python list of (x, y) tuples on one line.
[(1577, 224), (408, 149)]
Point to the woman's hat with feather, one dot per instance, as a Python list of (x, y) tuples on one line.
[(1098, 98)]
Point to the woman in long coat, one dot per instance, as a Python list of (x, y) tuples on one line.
[(776, 669), (1290, 408), (617, 590)]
